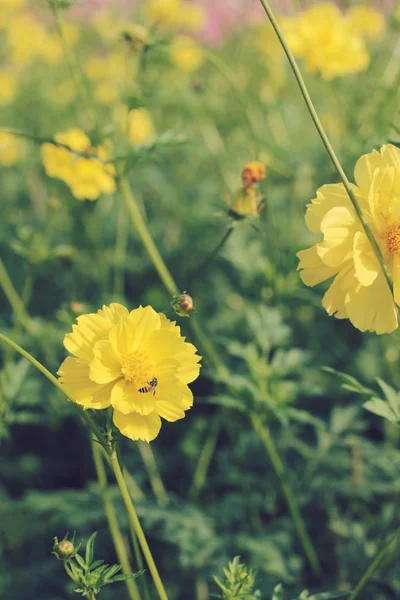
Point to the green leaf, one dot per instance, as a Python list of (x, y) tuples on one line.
[(380, 408), (391, 396), (277, 593), (90, 548), (80, 561)]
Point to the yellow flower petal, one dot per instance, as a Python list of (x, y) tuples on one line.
[(312, 270), (138, 427), (113, 313), (90, 329), (74, 375), (147, 321), (105, 366), (366, 264), (338, 226), (126, 398), (372, 308)]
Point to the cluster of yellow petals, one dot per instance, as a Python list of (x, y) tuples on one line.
[(136, 125), (135, 362), (176, 14), (88, 176), (359, 291), (331, 42), (11, 149), (186, 53)]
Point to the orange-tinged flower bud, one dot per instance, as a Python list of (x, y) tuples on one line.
[(183, 304), (253, 172), (63, 550)]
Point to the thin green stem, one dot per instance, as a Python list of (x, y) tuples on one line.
[(120, 250), (118, 540), (263, 433), (374, 564), (209, 258), (134, 520), (89, 422), (156, 482), (325, 140), (91, 596), (205, 458), (145, 237), (13, 297)]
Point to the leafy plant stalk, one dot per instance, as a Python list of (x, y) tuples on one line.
[(374, 564), (89, 422), (118, 540), (134, 520), (264, 435), (325, 140), (214, 360)]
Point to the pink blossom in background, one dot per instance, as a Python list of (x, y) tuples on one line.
[(223, 16)]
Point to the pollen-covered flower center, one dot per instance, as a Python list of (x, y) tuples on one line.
[(392, 238), (136, 368)]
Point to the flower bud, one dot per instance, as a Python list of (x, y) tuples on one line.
[(64, 549), (245, 202), (137, 37), (253, 172), (183, 304)]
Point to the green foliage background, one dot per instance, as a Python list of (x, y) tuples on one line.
[(270, 332)]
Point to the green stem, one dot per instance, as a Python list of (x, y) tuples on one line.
[(134, 520), (209, 258), (205, 457), (91, 596), (325, 140), (144, 235), (120, 250), (156, 482), (13, 297), (264, 434), (89, 422), (374, 564), (118, 540)]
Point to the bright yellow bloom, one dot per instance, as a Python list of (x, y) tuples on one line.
[(327, 41), (368, 21), (10, 149), (105, 93), (186, 54), (164, 12), (192, 16), (8, 86), (88, 177), (136, 362), (359, 291), (140, 126)]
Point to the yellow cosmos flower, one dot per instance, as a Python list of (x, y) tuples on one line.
[(164, 12), (88, 177), (367, 20), (327, 41), (8, 86), (359, 291), (140, 126), (135, 362), (11, 149), (186, 54)]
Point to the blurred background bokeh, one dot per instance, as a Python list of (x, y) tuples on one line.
[(199, 89)]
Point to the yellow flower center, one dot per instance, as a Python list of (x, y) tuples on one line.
[(136, 368), (392, 238)]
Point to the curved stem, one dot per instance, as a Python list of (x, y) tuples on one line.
[(15, 301), (374, 564), (134, 520), (89, 422), (118, 540), (325, 140), (264, 435), (144, 234)]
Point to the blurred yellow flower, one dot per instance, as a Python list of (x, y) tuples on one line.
[(11, 149), (192, 16), (140, 126), (8, 86), (136, 362), (186, 54), (105, 93), (326, 40), (164, 12), (367, 20), (87, 177), (359, 291)]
